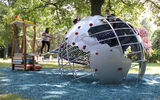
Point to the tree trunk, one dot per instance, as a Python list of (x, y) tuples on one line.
[(17, 48), (96, 7), (6, 51)]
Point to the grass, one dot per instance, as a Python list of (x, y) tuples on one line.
[(56, 66), (148, 64), (52, 65), (132, 70), (153, 64), (49, 66), (137, 69), (11, 97), (42, 62), (5, 59), (5, 64)]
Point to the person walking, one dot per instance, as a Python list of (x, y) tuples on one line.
[(45, 40)]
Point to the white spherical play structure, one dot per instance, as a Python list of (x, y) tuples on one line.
[(107, 47)]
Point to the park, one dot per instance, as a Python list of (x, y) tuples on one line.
[(79, 49)]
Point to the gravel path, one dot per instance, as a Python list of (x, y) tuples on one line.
[(48, 84)]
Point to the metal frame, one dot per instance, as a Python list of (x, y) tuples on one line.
[(71, 63)]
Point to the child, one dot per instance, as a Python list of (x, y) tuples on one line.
[(45, 40), (75, 21)]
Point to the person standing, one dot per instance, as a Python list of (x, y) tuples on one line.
[(45, 40), (75, 21), (109, 16)]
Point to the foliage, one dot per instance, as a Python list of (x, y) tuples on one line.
[(59, 14), (2, 11), (154, 6), (156, 46), (156, 39), (149, 26), (128, 10), (147, 43), (6, 29)]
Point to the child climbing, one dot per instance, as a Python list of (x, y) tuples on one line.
[(45, 40)]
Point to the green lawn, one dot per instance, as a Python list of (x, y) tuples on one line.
[(11, 97), (132, 70), (56, 66), (148, 64), (49, 66), (153, 64), (136, 69), (5, 64), (41, 62)]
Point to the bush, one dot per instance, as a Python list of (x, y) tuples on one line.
[(155, 54)]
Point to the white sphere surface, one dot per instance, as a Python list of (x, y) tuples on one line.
[(108, 62)]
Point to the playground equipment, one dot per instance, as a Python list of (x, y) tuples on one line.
[(108, 47), (23, 60)]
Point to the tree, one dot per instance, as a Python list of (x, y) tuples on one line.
[(128, 10), (96, 7), (147, 43), (59, 14), (156, 46), (6, 29), (3, 42), (156, 39), (9, 2)]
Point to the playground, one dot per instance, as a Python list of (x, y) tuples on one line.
[(78, 73), (49, 84)]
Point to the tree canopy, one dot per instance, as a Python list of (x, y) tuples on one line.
[(59, 14)]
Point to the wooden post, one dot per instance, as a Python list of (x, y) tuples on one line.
[(13, 40), (34, 38), (25, 48), (34, 44), (24, 44)]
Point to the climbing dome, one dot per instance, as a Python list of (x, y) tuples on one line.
[(107, 46)]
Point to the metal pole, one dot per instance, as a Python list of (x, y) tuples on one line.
[(116, 36)]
